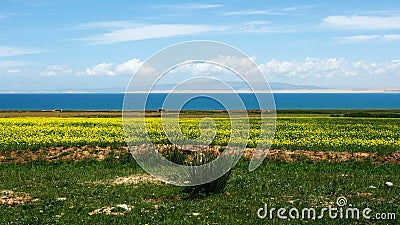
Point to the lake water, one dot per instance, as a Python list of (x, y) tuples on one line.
[(155, 101)]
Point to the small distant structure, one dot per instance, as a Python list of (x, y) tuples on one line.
[(54, 110), (160, 110)]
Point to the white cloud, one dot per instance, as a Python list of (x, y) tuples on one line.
[(253, 12), (223, 67), (392, 37), (5, 16), (329, 68), (240, 65), (129, 67), (363, 22), (14, 71), (328, 72), (392, 12), (256, 26), (101, 69), (358, 38), (6, 51), (368, 38), (13, 64), (56, 70), (298, 8), (125, 31), (200, 6), (283, 11), (113, 69), (364, 65), (108, 24), (149, 32), (196, 68)]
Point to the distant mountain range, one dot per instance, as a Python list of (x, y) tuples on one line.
[(211, 86), (287, 86)]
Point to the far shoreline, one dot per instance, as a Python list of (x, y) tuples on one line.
[(279, 91), (374, 113)]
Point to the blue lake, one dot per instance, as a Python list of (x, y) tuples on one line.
[(115, 101)]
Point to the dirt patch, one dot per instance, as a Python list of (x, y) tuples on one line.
[(11, 198), (135, 179), (331, 157), (131, 179), (164, 199), (100, 153), (290, 155), (118, 210), (364, 194), (75, 153)]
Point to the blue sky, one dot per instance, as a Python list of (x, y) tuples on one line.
[(73, 45)]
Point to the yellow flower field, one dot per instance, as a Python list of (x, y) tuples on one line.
[(324, 133)]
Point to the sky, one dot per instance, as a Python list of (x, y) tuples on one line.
[(74, 45)]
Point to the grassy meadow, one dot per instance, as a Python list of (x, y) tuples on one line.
[(114, 189)]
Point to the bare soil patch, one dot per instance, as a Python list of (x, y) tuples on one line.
[(135, 179), (11, 198), (75, 153), (118, 210), (78, 153), (131, 179)]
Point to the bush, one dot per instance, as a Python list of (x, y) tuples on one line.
[(197, 158)]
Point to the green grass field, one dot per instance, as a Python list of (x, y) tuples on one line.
[(66, 192), (279, 184)]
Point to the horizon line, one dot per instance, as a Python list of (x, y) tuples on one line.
[(300, 91)]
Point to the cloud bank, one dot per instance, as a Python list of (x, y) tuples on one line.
[(363, 22)]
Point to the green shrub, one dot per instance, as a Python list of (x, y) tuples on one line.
[(196, 175)]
